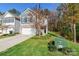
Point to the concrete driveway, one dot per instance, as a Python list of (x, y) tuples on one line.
[(12, 41)]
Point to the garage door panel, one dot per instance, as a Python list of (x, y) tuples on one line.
[(28, 31)]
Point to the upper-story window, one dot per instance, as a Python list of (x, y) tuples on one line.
[(8, 20), (24, 20)]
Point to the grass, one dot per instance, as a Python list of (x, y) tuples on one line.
[(37, 46)]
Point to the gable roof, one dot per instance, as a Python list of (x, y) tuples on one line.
[(11, 13), (28, 10)]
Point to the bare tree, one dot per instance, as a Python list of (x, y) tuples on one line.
[(41, 15)]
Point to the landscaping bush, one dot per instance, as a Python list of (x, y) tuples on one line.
[(4, 35), (8, 35), (17, 33), (51, 46)]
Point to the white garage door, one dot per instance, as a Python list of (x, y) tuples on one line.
[(28, 31)]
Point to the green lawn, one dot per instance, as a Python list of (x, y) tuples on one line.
[(36, 46)]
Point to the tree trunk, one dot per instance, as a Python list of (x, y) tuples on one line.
[(74, 35)]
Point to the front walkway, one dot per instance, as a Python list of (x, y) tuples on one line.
[(12, 41)]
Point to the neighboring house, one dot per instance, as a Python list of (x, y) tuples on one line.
[(11, 21), (1, 17)]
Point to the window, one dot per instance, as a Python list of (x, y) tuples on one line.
[(8, 20), (24, 20), (27, 19)]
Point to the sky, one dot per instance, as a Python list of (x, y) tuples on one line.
[(22, 6)]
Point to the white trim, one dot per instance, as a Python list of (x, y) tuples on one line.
[(26, 11)]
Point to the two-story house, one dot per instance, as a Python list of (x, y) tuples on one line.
[(11, 21), (27, 22)]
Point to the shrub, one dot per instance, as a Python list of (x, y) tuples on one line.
[(5, 35)]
